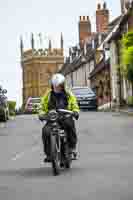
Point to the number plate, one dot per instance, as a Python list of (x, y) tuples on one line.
[(84, 102)]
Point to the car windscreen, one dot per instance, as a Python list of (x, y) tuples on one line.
[(82, 91), (35, 100)]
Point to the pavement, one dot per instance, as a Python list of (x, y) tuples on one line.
[(128, 111), (103, 171), (125, 110)]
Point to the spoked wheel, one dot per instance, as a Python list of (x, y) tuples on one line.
[(68, 159), (55, 158)]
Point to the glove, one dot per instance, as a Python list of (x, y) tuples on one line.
[(76, 115)]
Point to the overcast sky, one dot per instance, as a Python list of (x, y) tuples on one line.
[(50, 17)]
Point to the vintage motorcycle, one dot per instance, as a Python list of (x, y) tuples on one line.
[(60, 155)]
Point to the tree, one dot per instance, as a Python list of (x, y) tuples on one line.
[(127, 57), (12, 105)]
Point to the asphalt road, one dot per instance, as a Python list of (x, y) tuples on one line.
[(104, 170)]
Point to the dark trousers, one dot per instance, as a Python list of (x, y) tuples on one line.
[(68, 125)]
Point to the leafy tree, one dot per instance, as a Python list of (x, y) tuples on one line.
[(12, 105), (127, 57)]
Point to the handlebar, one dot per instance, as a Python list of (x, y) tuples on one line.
[(64, 111), (68, 113)]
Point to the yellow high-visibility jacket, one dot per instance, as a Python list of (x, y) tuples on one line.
[(72, 102)]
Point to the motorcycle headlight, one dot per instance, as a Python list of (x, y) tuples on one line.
[(53, 115)]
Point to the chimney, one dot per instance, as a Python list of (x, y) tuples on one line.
[(102, 18), (84, 29)]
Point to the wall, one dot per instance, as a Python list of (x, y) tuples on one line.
[(37, 71), (113, 71)]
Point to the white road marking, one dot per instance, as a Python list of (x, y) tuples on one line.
[(21, 154)]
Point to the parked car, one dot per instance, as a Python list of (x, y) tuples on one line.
[(86, 97), (33, 105), (4, 110)]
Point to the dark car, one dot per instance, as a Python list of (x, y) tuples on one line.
[(4, 110), (86, 97)]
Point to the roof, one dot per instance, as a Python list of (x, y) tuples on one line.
[(99, 67), (114, 22), (113, 32), (117, 31)]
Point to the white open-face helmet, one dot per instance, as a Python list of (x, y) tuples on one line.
[(57, 79)]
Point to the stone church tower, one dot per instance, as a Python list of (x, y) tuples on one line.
[(38, 65)]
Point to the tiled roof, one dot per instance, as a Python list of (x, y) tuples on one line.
[(117, 30), (100, 66), (106, 37)]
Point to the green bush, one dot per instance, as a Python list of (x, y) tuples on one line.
[(12, 106), (130, 100), (12, 113)]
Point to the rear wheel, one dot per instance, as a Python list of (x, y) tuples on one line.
[(55, 156)]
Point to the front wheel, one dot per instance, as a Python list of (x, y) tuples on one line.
[(68, 164), (68, 159), (7, 115), (54, 155)]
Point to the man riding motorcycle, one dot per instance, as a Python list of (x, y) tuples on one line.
[(59, 98)]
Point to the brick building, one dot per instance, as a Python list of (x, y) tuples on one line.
[(102, 22)]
